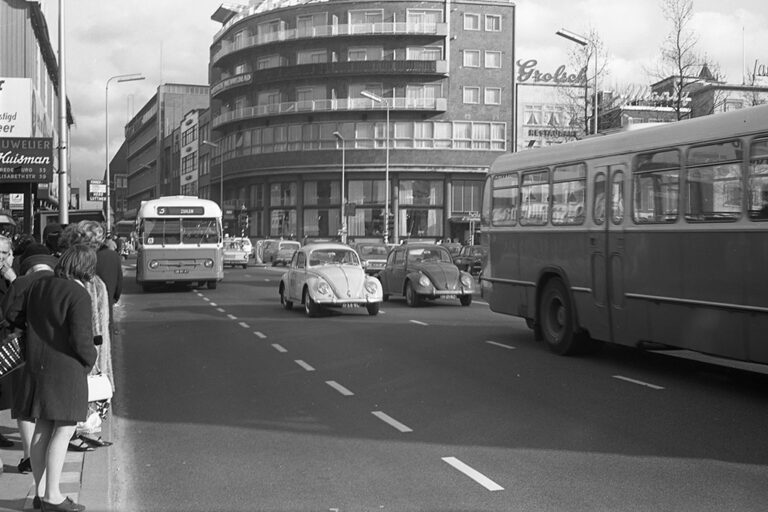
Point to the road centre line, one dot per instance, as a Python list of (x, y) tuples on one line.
[(244, 325), (213, 304), (509, 347), (279, 348), (304, 365), (206, 299), (633, 381), (473, 474), (260, 334), (231, 316), (417, 322), (338, 387), (220, 310), (386, 418)]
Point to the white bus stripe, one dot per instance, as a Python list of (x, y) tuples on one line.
[(386, 418), (338, 387), (473, 474), (279, 348), (510, 347), (304, 365), (633, 381)]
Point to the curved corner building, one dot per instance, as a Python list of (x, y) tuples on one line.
[(315, 100)]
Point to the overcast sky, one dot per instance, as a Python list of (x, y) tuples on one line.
[(168, 42)]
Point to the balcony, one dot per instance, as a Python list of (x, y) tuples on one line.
[(363, 29), (436, 105)]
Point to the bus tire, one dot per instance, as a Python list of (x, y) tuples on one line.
[(212, 285), (310, 306), (556, 319)]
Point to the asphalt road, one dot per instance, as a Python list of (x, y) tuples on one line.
[(227, 402)]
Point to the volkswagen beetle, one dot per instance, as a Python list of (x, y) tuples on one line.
[(328, 275), (425, 271)]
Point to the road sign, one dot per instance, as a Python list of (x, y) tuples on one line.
[(97, 190)]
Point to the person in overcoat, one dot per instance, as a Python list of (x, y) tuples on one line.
[(59, 354)]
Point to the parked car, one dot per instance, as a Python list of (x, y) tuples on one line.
[(272, 247), (373, 256), (425, 271), (471, 259), (326, 275), (235, 253), (247, 245), (285, 251)]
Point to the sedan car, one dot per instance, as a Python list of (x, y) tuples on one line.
[(373, 256), (328, 275), (425, 271), (471, 259), (235, 254), (285, 251)]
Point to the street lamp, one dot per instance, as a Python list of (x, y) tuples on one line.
[(120, 78), (343, 198), (583, 41), (221, 170), (379, 99)]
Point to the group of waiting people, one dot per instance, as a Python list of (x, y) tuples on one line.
[(60, 295)]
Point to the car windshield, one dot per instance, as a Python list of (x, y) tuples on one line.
[(478, 251), (186, 231), (333, 257), (293, 246), (428, 255), (373, 250)]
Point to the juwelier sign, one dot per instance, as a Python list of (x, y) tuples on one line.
[(28, 159)]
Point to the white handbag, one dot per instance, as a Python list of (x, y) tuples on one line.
[(99, 387)]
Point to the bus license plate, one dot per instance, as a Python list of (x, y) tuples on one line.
[(181, 271)]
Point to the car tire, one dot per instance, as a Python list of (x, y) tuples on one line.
[(465, 300), (310, 306), (412, 298), (373, 308), (287, 304)]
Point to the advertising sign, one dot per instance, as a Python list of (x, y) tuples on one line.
[(15, 107), (26, 160), (97, 190)]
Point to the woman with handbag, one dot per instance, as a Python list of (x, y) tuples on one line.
[(59, 355)]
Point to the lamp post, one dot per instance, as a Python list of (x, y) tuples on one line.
[(221, 170), (343, 194), (379, 99), (583, 41), (120, 78)]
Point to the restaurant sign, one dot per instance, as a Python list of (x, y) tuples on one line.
[(528, 73), (26, 160)]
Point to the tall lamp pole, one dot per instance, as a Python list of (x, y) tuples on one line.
[(583, 41), (120, 78), (378, 99), (343, 194)]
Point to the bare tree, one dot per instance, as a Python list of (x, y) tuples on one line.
[(678, 55)]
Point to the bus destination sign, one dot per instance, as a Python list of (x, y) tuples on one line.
[(180, 210)]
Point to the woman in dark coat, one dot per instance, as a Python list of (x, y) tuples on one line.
[(59, 354)]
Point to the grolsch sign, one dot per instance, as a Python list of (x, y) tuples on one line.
[(527, 72), (26, 160)]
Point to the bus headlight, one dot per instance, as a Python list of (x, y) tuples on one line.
[(154, 264), (208, 263), (424, 281), (466, 280)]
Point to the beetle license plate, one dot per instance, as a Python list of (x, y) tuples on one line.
[(181, 271), (449, 296)]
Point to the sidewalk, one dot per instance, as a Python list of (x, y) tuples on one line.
[(85, 477)]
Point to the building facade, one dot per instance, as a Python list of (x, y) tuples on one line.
[(409, 101)]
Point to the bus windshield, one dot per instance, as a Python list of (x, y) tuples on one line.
[(174, 231)]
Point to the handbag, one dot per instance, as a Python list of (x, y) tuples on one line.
[(99, 387), (11, 356)]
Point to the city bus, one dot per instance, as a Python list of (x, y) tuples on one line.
[(179, 240), (652, 238)]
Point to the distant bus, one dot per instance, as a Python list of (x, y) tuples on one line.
[(649, 238), (179, 241)]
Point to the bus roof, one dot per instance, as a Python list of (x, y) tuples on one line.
[(698, 130), (179, 206)]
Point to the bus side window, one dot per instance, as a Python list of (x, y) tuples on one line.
[(598, 207), (656, 178), (617, 197), (758, 180)]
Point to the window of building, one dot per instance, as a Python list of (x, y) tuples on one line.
[(365, 17), (471, 95), (492, 23), (466, 196), (493, 96), (311, 25), (471, 58), (282, 194), (366, 222), (493, 59), (189, 164), (420, 222), (322, 221), (322, 192), (424, 53), (256, 196), (421, 192), (189, 136), (471, 21), (241, 68), (311, 56), (366, 192), (282, 223), (365, 53), (268, 61), (424, 16)]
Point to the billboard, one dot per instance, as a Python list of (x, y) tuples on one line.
[(15, 107), (24, 160)]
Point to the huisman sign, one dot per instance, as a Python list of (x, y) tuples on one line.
[(26, 159)]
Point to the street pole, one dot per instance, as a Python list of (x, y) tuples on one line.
[(379, 99), (583, 41), (343, 191), (63, 131), (120, 78)]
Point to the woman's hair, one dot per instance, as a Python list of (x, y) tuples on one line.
[(77, 262), (87, 232)]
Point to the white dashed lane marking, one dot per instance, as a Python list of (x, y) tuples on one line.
[(473, 474), (338, 387), (279, 348), (389, 420), (260, 334), (231, 317), (639, 382), (244, 325), (304, 365), (510, 347), (417, 322)]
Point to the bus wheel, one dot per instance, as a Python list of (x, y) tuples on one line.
[(287, 304), (556, 319), (310, 306), (212, 285), (411, 297)]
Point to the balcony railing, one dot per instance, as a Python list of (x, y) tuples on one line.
[(337, 105), (431, 29)]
